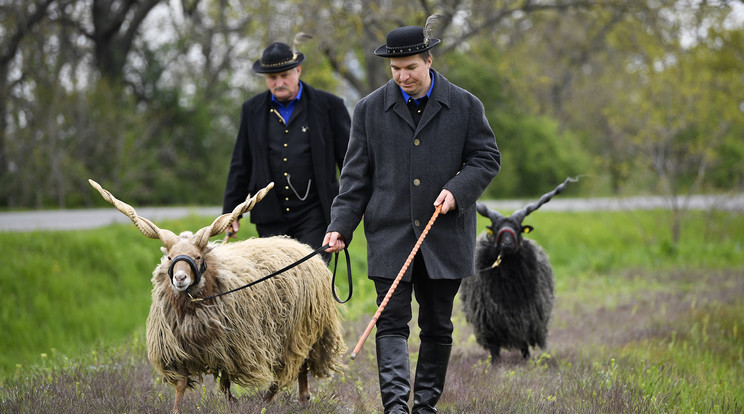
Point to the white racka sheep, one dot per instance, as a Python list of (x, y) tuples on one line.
[(509, 300), (266, 335)]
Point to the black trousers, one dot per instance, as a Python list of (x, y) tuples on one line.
[(305, 225), (435, 298)]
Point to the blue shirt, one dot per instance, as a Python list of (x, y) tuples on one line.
[(285, 110), (406, 96)]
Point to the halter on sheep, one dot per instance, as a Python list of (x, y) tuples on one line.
[(270, 335), (509, 300)]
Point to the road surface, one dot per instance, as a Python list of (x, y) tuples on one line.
[(23, 221)]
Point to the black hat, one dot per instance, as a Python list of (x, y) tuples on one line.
[(406, 41), (276, 58)]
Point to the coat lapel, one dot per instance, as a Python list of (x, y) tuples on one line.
[(439, 97), (394, 100)]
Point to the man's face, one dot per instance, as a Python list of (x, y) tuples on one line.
[(284, 85), (411, 73)]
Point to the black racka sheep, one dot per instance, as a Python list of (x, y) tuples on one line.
[(509, 300)]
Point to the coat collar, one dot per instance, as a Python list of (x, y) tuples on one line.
[(440, 97)]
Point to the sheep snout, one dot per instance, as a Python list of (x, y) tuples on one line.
[(507, 240), (181, 280)]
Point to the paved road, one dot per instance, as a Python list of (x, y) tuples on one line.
[(93, 218)]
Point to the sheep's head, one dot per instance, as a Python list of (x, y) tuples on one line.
[(506, 232), (186, 262), (186, 253)]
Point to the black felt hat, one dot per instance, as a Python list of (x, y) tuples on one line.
[(278, 57), (406, 41)]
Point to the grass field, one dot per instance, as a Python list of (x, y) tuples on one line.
[(640, 325)]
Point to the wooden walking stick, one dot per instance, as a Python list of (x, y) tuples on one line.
[(395, 283)]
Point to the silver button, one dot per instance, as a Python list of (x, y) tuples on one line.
[(416, 182), (416, 142), (416, 222)]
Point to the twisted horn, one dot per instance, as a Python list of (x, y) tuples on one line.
[(222, 222), (144, 225), (519, 215)]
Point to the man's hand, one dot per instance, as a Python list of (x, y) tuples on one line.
[(335, 240), (447, 200), (233, 229)]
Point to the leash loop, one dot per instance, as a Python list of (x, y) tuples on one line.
[(348, 275)]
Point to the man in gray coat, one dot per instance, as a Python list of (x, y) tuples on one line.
[(416, 142)]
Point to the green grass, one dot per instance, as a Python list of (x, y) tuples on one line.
[(662, 322)]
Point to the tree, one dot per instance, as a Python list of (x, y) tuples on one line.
[(20, 20), (686, 111)]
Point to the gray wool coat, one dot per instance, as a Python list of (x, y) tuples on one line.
[(394, 171)]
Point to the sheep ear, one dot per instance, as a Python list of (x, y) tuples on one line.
[(148, 228), (527, 229), (222, 222)]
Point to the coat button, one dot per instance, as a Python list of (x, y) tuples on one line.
[(416, 142), (416, 222), (416, 182)]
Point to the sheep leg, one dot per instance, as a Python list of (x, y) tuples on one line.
[(302, 381), (271, 393), (525, 352), (495, 351), (181, 385), (225, 387)]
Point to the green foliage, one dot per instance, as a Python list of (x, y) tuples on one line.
[(536, 154)]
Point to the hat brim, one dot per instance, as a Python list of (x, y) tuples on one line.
[(259, 68), (382, 50)]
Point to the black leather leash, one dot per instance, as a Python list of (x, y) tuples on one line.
[(284, 269)]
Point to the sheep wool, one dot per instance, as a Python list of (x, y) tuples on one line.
[(509, 306), (261, 335), (268, 334)]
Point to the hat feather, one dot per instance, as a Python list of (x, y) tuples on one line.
[(431, 22), (299, 39)]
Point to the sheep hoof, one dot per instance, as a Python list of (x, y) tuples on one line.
[(525, 353), (270, 393)]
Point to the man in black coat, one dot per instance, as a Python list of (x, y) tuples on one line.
[(295, 136), (417, 142)]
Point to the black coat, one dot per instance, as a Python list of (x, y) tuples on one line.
[(249, 168), (394, 171)]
